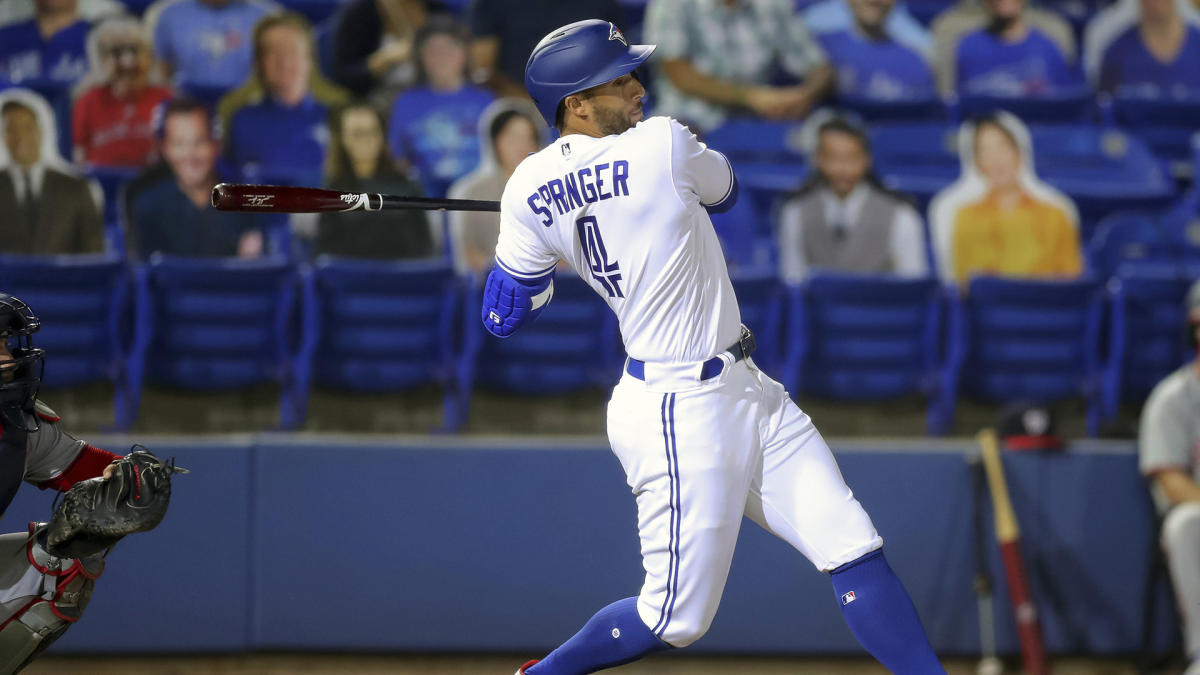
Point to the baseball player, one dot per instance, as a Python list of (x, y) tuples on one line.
[(1169, 457), (42, 594), (703, 435)]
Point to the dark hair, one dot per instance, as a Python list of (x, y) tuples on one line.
[(182, 106), (994, 121), (14, 103), (338, 168), (438, 25), (840, 125), (502, 119)]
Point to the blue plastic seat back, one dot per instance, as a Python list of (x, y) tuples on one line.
[(754, 140), (768, 157), (1102, 170), (384, 326), (315, 11), (1074, 105), (761, 299), (112, 179), (903, 110), (865, 337), (1028, 340), (1182, 226), (573, 345), (220, 324), (1152, 322), (916, 158), (1132, 242), (1165, 124), (80, 301)]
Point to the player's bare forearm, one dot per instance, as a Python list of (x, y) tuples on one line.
[(1177, 486)]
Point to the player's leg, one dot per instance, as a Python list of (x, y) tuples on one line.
[(685, 457), (40, 597), (1181, 545), (800, 496)]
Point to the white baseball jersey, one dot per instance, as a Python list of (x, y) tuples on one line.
[(628, 213), (699, 452)]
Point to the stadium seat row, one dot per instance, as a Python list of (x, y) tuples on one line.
[(389, 326)]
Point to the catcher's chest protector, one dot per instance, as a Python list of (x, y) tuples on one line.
[(40, 596)]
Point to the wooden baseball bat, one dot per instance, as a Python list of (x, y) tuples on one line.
[(989, 664), (1008, 536), (284, 199)]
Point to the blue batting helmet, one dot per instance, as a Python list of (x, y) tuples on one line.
[(575, 57)]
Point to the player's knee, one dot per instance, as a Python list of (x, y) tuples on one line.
[(1181, 527), (683, 633)]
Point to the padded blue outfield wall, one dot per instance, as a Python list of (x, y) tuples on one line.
[(280, 542)]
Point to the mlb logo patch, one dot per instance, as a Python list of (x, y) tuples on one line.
[(848, 598)]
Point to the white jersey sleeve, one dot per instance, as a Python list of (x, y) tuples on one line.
[(520, 250), (698, 169)]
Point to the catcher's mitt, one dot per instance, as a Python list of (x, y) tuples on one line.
[(94, 514)]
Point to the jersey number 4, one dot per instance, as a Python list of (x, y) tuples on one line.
[(607, 273)]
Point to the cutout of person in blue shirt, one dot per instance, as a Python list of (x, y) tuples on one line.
[(433, 125), (48, 50), (1011, 58), (1159, 56), (204, 45), (873, 61), (280, 134)]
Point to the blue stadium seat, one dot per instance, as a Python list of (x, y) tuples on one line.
[(1146, 335), (82, 301), (383, 326), (315, 11), (1102, 170), (916, 158), (213, 325), (1018, 340), (741, 230), (1165, 125), (208, 95), (573, 345), (112, 179), (912, 110), (863, 338), (768, 156), (761, 299), (1130, 242), (1182, 224), (1076, 106), (323, 35)]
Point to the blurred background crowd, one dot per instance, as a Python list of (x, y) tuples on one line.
[(918, 145)]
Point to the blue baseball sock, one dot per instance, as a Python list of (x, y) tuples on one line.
[(614, 636), (882, 617)]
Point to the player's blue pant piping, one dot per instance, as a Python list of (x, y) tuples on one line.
[(882, 617), (668, 420)]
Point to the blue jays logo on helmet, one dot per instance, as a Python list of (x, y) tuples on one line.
[(614, 33), (578, 56)]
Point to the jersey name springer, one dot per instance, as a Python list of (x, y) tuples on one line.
[(585, 186)]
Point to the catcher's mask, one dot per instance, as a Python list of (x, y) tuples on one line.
[(21, 375)]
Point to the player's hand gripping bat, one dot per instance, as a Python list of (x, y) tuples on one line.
[(283, 199)]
